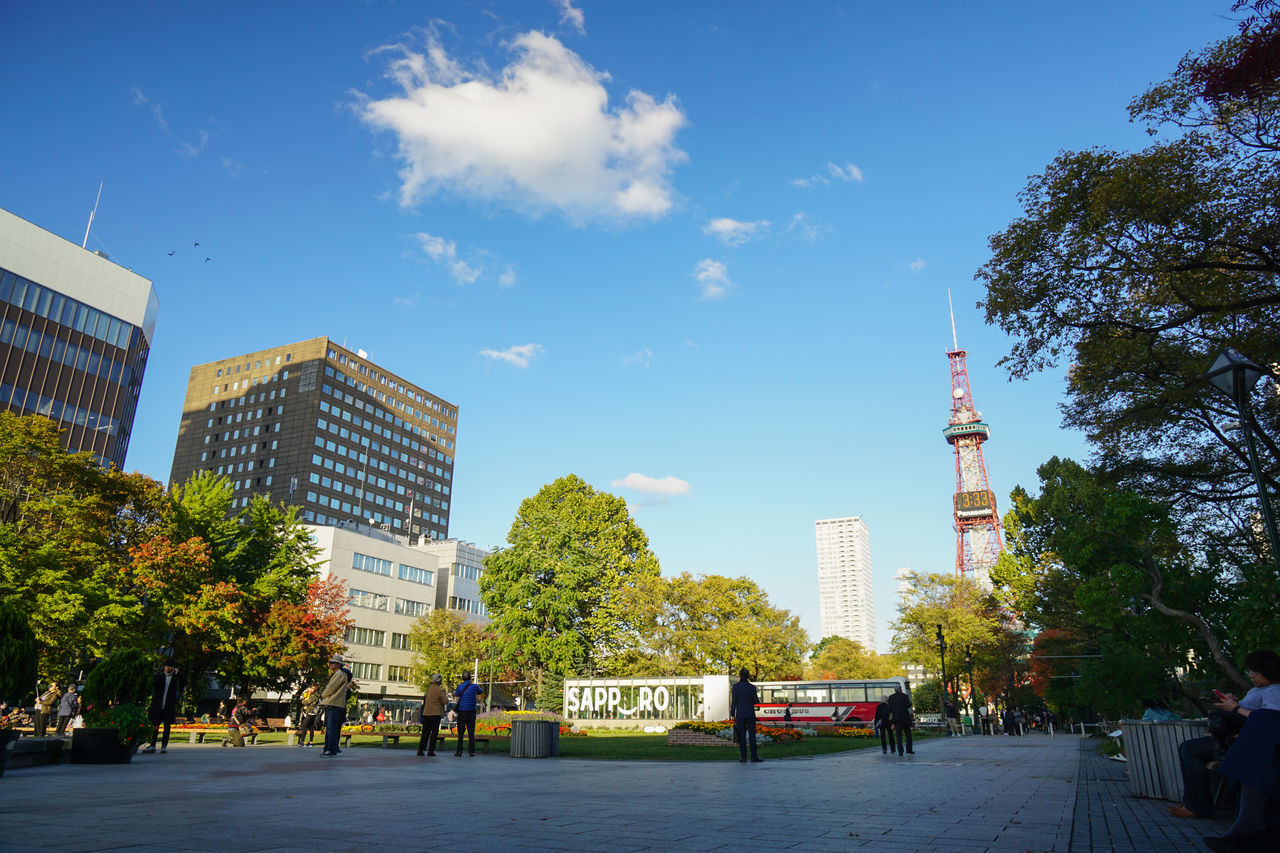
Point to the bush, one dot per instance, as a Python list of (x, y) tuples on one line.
[(17, 654), (123, 678)]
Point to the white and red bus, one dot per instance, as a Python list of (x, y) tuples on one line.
[(842, 702)]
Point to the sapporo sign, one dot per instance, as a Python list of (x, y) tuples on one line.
[(608, 700)]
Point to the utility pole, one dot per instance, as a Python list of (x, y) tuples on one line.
[(942, 651)]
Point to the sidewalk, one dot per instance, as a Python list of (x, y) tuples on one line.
[(972, 794)]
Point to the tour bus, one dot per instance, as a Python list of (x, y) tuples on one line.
[(843, 702)]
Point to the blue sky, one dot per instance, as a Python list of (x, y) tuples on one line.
[(696, 253)]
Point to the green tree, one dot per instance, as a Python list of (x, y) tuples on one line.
[(839, 657), (17, 655), (555, 593), (444, 641)]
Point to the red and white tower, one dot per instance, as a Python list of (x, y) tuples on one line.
[(978, 540)]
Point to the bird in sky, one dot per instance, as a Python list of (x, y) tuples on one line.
[(206, 260), (195, 244), (171, 251)]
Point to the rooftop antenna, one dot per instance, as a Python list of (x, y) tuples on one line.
[(955, 345), (85, 244)]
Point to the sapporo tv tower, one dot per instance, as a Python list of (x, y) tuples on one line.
[(978, 541)]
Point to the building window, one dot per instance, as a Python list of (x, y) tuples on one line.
[(400, 641), (416, 575), (368, 671), (371, 600), (365, 563), (365, 636), (405, 607), (401, 674)]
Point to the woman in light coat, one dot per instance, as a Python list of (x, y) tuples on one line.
[(432, 711)]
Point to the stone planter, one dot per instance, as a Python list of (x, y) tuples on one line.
[(100, 746), (8, 737), (688, 737)]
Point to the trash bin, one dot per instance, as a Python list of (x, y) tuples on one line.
[(1151, 747), (535, 738)]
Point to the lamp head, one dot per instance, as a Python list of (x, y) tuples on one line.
[(1228, 365)]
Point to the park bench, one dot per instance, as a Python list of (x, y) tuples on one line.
[(386, 736), (215, 735)]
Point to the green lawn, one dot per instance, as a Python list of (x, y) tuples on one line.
[(638, 746)]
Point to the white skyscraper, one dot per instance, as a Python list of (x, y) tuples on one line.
[(845, 597)]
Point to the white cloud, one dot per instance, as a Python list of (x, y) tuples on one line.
[(803, 229), (234, 168), (520, 356), (642, 357), (194, 149), (157, 110), (917, 265), (713, 278), (508, 277), (572, 17), (652, 486), (538, 135), (734, 232), (445, 253), (848, 172)]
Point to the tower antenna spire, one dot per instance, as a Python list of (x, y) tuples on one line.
[(955, 344), (85, 244)]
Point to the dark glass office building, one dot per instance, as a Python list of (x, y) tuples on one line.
[(75, 332)]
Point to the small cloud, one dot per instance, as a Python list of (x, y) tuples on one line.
[(520, 356), (642, 357), (651, 486), (847, 172), (571, 17), (234, 169), (917, 265), (190, 149), (445, 254), (508, 277), (405, 301), (713, 278), (157, 110), (734, 232), (805, 230)]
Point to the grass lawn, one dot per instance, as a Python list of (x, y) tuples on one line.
[(633, 746)]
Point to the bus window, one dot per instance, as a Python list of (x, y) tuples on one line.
[(819, 693), (778, 695), (848, 693)]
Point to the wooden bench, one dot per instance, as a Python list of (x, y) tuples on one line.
[(386, 736), (213, 735)]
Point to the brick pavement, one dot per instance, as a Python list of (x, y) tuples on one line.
[(973, 794)]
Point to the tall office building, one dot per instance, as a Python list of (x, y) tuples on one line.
[(845, 597), (75, 332), (322, 427)]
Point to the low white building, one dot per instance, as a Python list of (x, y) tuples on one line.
[(390, 585)]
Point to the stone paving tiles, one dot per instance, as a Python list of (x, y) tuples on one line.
[(972, 794)]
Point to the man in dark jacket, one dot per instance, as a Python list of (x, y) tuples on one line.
[(900, 715), (884, 725), (166, 692), (743, 699)]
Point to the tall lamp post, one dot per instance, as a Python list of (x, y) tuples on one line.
[(973, 696), (942, 651), (1235, 375)]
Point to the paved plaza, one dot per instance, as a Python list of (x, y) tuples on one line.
[(972, 794)]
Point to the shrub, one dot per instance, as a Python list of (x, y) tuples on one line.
[(17, 654), (117, 692)]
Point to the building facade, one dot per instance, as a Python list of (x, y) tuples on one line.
[(461, 565), (845, 595), (319, 426), (75, 333)]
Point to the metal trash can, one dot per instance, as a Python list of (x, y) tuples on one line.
[(535, 738), (1151, 747)]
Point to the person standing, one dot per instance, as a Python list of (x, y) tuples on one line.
[(467, 693), (884, 725), (68, 707), (900, 716), (307, 719), (46, 706), (432, 711), (166, 693), (333, 704), (786, 716), (953, 719), (743, 699)]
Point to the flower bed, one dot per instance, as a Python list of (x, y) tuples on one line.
[(723, 729)]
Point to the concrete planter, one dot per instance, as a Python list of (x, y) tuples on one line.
[(100, 746)]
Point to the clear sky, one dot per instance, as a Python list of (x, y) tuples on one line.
[(696, 253)]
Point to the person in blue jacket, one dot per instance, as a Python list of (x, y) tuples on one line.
[(467, 694)]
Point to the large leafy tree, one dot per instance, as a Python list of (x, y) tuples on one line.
[(1138, 267), (555, 594), (690, 625), (444, 641), (840, 657)]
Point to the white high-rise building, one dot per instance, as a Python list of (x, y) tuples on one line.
[(845, 597)]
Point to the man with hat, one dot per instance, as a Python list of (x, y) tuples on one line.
[(467, 693), (333, 704)]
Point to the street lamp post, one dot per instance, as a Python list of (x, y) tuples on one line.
[(973, 696), (942, 651), (1235, 375)]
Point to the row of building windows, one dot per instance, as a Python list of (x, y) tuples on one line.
[(365, 636), (13, 397), (312, 517), (369, 671), (366, 462), (377, 429), (257, 380), (339, 376), (466, 605), (411, 393), (256, 365), (462, 570), (49, 345), (64, 310)]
